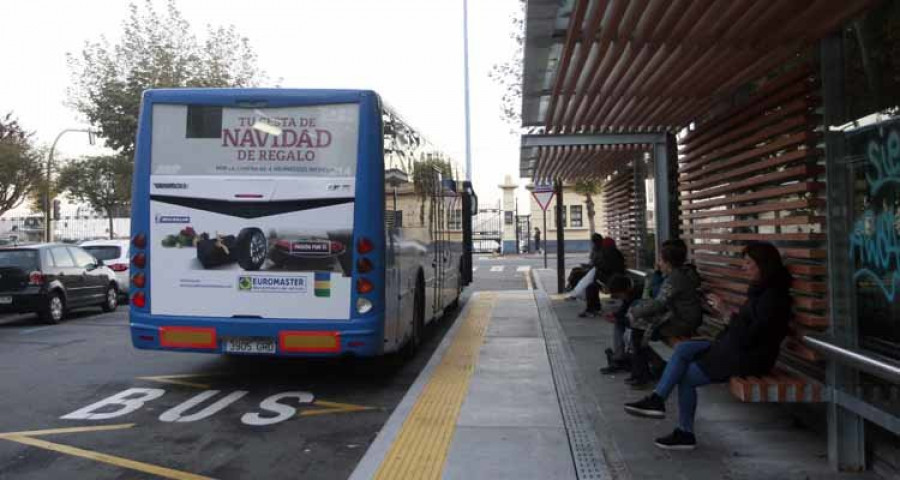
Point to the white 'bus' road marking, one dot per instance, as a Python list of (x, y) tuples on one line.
[(32, 330), (274, 409), (497, 268)]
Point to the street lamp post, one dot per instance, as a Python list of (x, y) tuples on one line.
[(48, 202), (466, 73)]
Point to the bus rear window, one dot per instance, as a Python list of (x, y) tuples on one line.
[(316, 141)]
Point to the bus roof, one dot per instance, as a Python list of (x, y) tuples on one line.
[(253, 97)]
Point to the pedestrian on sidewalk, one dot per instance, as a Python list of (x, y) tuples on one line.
[(749, 346), (537, 240), (676, 311)]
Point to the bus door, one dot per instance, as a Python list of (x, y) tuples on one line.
[(437, 261), (393, 223), (450, 268)]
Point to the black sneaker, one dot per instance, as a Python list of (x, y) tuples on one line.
[(588, 313), (678, 440), (632, 380), (641, 386), (614, 368), (651, 406)]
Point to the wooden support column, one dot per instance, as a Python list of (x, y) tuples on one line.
[(560, 239)]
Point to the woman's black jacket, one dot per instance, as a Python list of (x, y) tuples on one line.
[(751, 342)]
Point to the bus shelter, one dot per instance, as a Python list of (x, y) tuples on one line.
[(754, 120)]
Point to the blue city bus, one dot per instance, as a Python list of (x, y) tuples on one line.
[(290, 223)]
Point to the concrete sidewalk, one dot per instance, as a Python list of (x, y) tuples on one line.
[(735, 440), (513, 392), (486, 406)]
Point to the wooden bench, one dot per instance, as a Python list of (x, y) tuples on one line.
[(779, 386)]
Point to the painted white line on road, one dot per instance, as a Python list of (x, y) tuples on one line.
[(475, 269), (497, 268), (523, 268)]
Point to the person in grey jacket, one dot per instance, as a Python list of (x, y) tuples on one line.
[(676, 311)]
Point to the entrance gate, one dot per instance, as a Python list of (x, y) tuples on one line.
[(487, 231)]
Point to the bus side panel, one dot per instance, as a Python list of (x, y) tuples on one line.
[(369, 215), (140, 191)]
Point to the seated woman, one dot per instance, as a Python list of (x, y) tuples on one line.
[(749, 346), (676, 311)]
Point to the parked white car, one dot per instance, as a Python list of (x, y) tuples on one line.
[(115, 255)]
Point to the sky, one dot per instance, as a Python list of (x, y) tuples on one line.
[(410, 51)]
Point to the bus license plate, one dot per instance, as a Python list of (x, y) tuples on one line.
[(250, 345), (5, 300)]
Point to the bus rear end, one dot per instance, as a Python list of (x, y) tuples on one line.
[(248, 234)]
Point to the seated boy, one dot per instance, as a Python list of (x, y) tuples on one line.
[(621, 288)]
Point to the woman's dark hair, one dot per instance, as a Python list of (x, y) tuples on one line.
[(673, 255), (772, 271)]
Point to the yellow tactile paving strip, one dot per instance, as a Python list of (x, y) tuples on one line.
[(421, 446)]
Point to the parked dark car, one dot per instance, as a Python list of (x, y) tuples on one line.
[(51, 279)]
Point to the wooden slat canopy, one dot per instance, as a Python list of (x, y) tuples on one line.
[(652, 65), (571, 163)]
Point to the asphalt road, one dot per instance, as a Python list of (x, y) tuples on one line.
[(126, 413)]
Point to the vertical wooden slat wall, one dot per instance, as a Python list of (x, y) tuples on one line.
[(755, 172), (619, 205)]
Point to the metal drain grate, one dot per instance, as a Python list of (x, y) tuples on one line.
[(587, 453)]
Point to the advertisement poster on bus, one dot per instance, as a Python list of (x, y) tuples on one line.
[(255, 222)]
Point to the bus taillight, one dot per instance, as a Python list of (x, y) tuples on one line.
[(139, 260), (139, 280), (364, 265), (139, 300), (364, 286), (364, 245), (139, 241)]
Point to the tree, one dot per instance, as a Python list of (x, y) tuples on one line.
[(425, 175), (508, 74), (103, 182), (589, 188), (157, 50), (20, 164)]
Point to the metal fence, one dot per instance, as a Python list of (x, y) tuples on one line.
[(29, 229), (487, 231)]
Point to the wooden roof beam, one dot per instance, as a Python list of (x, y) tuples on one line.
[(591, 31), (562, 70), (615, 16)]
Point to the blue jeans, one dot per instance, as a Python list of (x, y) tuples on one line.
[(621, 325), (684, 372)]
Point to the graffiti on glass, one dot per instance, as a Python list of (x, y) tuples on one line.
[(875, 239)]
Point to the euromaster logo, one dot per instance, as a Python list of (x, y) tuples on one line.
[(271, 284)]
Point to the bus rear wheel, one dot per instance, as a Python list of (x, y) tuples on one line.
[(418, 324)]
